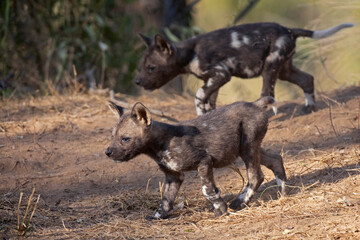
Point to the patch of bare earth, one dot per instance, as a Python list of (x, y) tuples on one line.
[(57, 144)]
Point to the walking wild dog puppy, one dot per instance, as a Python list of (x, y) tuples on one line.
[(213, 140), (245, 51)]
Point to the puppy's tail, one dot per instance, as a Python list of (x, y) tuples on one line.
[(298, 32), (264, 102)]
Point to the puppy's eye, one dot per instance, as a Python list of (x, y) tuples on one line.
[(125, 139), (150, 69)]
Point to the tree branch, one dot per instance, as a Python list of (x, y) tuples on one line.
[(250, 5)]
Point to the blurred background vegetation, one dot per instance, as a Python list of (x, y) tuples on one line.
[(48, 47)]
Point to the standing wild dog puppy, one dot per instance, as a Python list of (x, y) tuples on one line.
[(210, 141), (245, 51)]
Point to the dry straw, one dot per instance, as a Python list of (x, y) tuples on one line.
[(25, 225)]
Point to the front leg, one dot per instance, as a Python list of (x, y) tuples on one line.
[(210, 191), (211, 104), (205, 97), (173, 182)]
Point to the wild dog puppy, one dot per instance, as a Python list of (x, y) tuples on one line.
[(213, 140), (245, 51)]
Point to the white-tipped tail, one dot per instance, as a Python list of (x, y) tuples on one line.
[(274, 107), (264, 102), (328, 32)]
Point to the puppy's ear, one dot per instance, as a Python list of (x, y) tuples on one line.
[(141, 114), (148, 41), (163, 45), (117, 110)]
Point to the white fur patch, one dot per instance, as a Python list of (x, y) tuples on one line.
[(273, 56), (235, 42), (178, 150), (246, 40), (280, 42), (194, 66), (248, 195), (210, 82), (200, 93), (157, 215), (242, 195), (222, 66), (221, 74), (230, 62), (217, 205), (199, 110), (200, 106), (219, 67), (248, 72), (168, 161), (280, 183), (173, 165), (309, 99), (209, 197), (167, 154), (204, 188)]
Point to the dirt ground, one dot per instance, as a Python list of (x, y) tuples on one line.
[(56, 144)]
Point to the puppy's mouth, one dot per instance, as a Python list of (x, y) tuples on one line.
[(123, 158), (149, 88), (120, 160)]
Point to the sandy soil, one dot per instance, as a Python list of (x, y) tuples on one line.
[(56, 144)]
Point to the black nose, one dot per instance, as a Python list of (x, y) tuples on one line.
[(108, 152), (137, 81)]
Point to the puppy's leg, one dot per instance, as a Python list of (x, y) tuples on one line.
[(212, 85), (251, 157), (275, 163), (173, 182), (211, 104), (270, 73), (304, 80), (210, 191)]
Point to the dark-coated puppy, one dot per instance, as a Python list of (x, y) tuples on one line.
[(213, 140), (245, 51)]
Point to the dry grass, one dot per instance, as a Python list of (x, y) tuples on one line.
[(86, 196), (25, 225)]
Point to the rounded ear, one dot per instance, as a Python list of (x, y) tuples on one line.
[(146, 40), (141, 114), (117, 110), (163, 45)]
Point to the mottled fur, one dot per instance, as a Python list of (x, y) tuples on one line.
[(213, 140), (245, 51)]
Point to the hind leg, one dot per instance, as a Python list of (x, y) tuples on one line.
[(304, 80), (251, 157), (274, 162), (269, 79)]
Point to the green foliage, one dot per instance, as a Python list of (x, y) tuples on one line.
[(184, 32), (42, 40)]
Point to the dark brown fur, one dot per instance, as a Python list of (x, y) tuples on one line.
[(213, 140)]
